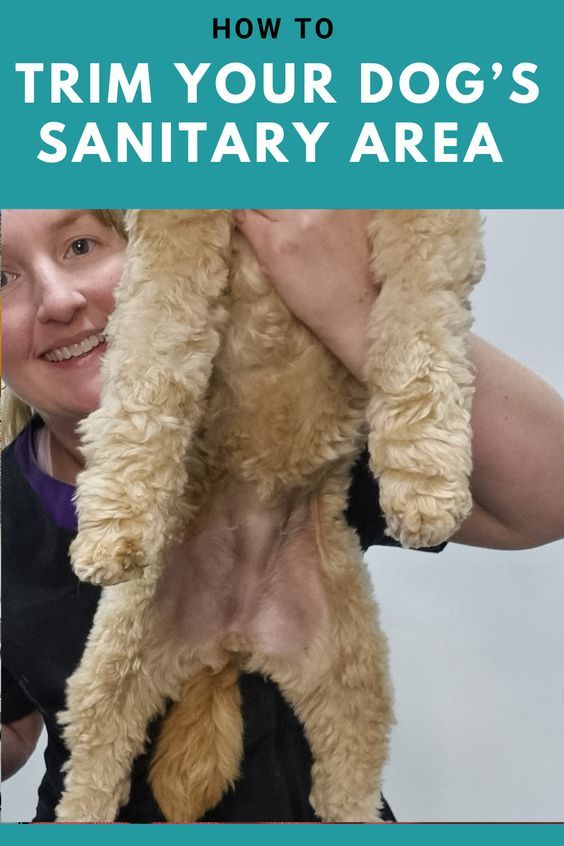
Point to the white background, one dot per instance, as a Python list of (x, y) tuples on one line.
[(476, 636)]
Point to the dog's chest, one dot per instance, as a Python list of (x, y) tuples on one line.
[(281, 408)]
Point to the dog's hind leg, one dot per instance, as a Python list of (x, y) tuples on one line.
[(163, 337), (339, 685), (124, 679), (418, 370)]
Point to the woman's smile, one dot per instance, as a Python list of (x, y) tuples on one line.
[(76, 349)]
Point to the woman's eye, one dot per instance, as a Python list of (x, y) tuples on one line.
[(81, 247), (7, 277)]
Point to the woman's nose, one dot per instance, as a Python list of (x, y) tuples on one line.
[(58, 297)]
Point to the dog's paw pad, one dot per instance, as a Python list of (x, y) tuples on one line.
[(418, 518), (105, 562), (416, 530)]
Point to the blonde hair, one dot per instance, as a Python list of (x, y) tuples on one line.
[(16, 413), (112, 218)]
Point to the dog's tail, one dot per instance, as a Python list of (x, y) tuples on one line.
[(200, 747)]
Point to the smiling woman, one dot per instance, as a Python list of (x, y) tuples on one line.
[(59, 271)]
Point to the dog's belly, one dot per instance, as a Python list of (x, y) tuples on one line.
[(250, 579), (282, 413)]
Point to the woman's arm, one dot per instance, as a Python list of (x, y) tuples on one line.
[(318, 259), (319, 262), (19, 739), (518, 451)]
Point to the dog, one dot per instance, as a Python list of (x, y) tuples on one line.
[(227, 432)]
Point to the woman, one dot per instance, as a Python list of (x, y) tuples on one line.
[(60, 269)]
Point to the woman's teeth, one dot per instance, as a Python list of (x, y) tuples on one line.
[(76, 350)]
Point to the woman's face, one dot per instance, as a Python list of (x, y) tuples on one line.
[(59, 271)]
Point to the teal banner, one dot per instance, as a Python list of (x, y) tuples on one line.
[(322, 104), (330, 835)]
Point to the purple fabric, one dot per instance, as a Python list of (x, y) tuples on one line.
[(55, 497)]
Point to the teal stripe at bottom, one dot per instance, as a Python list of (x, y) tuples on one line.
[(462, 834)]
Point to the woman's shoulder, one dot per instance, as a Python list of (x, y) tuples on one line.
[(14, 485), (36, 571), (25, 482), (31, 539), (19, 452)]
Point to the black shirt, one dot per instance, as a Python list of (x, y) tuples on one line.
[(47, 614)]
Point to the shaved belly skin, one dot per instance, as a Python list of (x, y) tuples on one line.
[(249, 580)]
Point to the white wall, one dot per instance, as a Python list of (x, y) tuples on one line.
[(477, 637)]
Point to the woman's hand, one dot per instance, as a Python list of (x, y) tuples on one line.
[(319, 262)]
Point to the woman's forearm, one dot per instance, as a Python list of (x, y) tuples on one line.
[(19, 739), (518, 455)]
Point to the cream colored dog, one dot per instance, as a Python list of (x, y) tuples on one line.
[(228, 431)]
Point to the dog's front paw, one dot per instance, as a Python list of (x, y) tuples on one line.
[(108, 554), (422, 512)]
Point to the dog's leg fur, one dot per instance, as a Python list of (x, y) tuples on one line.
[(207, 719), (339, 687), (126, 675), (418, 370), (111, 698), (162, 340)]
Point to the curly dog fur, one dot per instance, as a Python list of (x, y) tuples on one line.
[(217, 403)]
